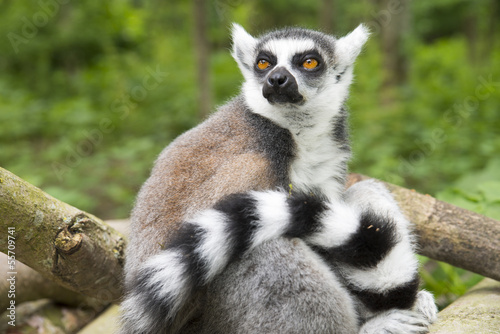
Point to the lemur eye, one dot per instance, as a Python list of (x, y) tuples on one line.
[(310, 64), (262, 64)]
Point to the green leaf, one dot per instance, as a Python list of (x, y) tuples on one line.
[(490, 190)]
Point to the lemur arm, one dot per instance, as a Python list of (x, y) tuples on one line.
[(359, 236)]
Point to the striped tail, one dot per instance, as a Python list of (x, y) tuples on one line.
[(206, 244)]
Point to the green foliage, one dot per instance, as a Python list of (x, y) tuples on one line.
[(65, 79), (445, 281), (91, 92), (478, 191), (445, 112)]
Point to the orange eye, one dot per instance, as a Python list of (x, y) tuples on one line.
[(310, 64), (262, 64)]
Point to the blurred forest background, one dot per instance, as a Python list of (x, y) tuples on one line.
[(91, 92)]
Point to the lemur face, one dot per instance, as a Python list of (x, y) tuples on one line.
[(291, 65), (292, 70), (287, 70)]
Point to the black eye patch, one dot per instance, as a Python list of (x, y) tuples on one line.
[(267, 56), (299, 59)]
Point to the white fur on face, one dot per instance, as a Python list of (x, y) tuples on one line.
[(285, 49), (310, 122), (325, 99)]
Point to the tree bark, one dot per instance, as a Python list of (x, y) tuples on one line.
[(448, 233), (326, 21), (64, 244), (478, 311), (393, 20), (30, 285)]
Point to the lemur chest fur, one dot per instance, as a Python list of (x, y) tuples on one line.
[(319, 163)]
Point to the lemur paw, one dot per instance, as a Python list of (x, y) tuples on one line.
[(397, 322), (426, 306)]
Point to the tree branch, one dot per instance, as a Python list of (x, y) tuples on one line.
[(64, 244)]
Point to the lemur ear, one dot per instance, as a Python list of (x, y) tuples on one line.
[(348, 47), (243, 47)]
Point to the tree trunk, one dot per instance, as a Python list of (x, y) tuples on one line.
[(471, 33), (202, 51), (326, 21), (64, 244), (450, 234), (393, 19), (392, 31), (490, 39)]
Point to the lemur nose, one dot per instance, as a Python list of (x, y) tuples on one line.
[(277, 79), (281, 87)]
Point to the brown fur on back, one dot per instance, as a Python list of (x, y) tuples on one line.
[(217, 158)]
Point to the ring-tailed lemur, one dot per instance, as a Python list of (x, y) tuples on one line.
[(244, 225)]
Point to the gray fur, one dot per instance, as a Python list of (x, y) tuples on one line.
[(299, 295)]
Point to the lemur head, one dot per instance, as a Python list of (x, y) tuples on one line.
[(295, 75)]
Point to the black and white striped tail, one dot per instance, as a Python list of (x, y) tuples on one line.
[(206, 244)]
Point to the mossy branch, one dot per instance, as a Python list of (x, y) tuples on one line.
[(64, 244)]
